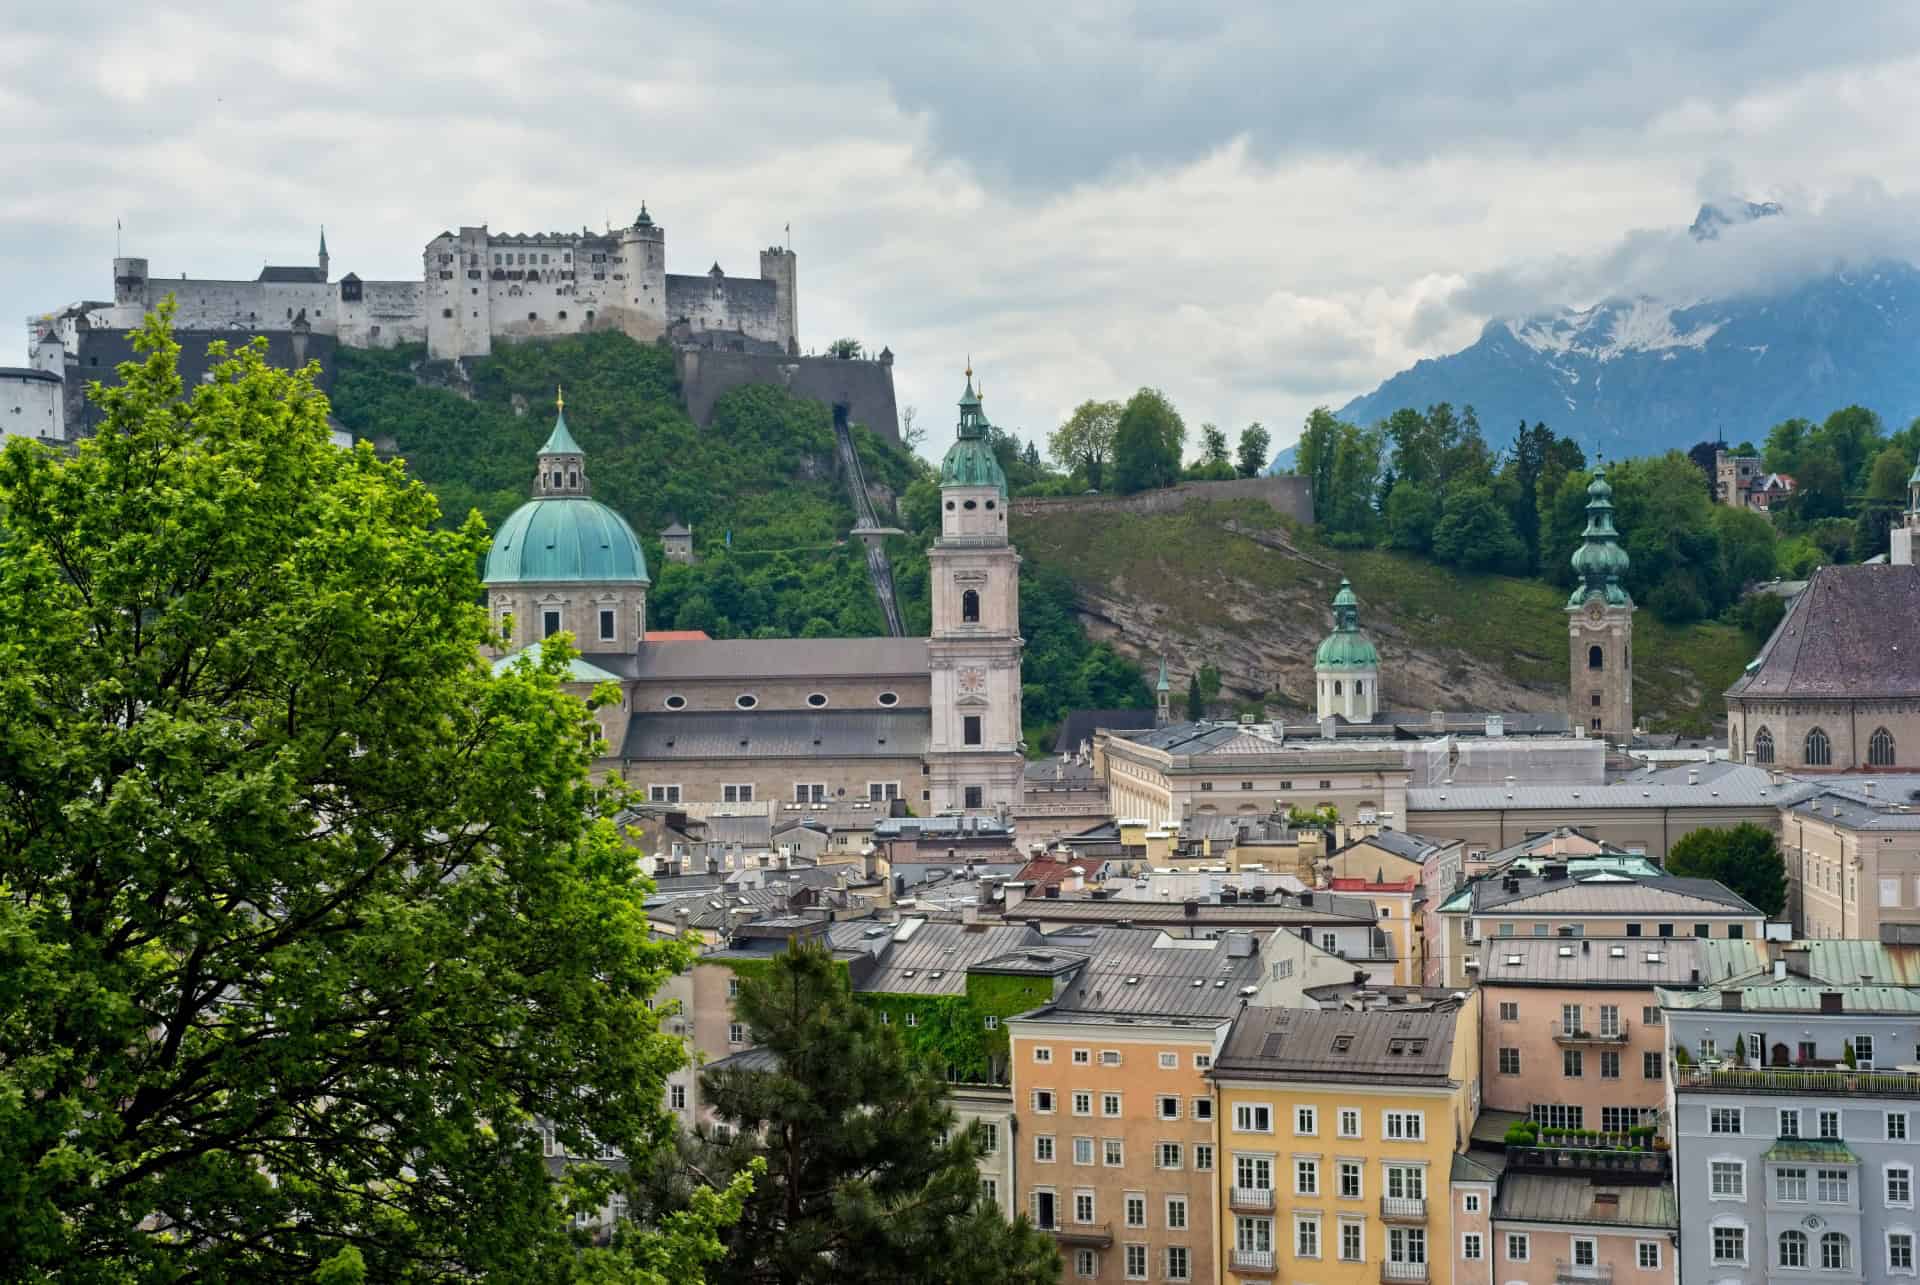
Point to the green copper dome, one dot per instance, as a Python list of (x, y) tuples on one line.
[(1600, 562), (1346, 647), (564, 539), (970, 460)]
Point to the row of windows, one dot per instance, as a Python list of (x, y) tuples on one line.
[(1585, 1250), (1169, 1061), (1257, 1117), (1570, 1014), (1254, 1172), (1796, 1184), (1176, 1263), (747, 700), (1573, 1064), (553, 619), (1253, 1243), (1816, 749), (1731, 1121), (1832, 1252)]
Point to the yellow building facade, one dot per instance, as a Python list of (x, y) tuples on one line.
[(1337, 1137)]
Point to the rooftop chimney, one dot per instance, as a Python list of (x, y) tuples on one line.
[(1779, 970), (1693, 776), (1496, 725)]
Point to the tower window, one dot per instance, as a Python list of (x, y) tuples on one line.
[(1359, 686), (1594, 725), (976, 797), (970, 729), (969, 505), (1880, 748), (1763, 746), (1819, 749), (573, 477), (606, 624), (549, 623), (1595, 658), (1596, 700), (970, 607), (1336, 687)]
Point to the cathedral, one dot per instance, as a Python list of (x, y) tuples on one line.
[(931, 721)]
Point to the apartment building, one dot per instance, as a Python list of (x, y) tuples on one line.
[(1571, 1028), (1853, 857), (1113, 1110), (1339, 1131), (1565, 900), (1591, 1228), (1796, 1121)]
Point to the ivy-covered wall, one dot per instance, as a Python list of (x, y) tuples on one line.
[(951, 1030)]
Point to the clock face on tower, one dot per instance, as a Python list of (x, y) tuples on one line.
[(973, 681), (1596, 611)]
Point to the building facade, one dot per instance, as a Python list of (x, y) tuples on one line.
[(1852, 852)]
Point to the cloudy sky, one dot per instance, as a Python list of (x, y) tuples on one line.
[(1256, 207)]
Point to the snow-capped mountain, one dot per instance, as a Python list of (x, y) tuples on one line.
[(1639, 376)]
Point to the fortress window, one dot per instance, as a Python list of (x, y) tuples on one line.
[(446, 312), (746, 700), (1819, 749), (675, 702), (563, 314), (1595, 659), (889, 699), (970, 607), (589, 314), (533, 316)]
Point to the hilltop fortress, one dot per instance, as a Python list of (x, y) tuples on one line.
[(476, 287)]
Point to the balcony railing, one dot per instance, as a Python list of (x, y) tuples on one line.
[(1097, 1234), (1255, 1200), (1403, 1209), (1253, 1260), (1789, 1080), (1566, 1273), (1399, 1272), (1564, 1034), (1633, 1168)]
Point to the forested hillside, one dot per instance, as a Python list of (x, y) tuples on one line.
[(759, 486)]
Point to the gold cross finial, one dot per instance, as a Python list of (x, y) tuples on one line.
[(969, 365), (559, 398)]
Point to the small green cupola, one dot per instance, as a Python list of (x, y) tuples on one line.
[(1600, 562), (1346, 647), (970, 460)]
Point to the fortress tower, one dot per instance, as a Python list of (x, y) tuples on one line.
[(779, 265), (1600, 626), (643, 263), (974, 746)]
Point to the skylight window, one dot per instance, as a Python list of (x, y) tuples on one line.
[(1566, 952), (1617, 952), (1341, 1043), (1653, 957), (1513, 961)]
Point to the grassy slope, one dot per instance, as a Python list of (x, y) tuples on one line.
[(1518, 626)]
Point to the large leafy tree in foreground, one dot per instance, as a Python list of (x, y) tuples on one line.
[(304, 915), (867, 1179)]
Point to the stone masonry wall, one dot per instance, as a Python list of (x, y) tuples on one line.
[(865, 388), (1292, 496)]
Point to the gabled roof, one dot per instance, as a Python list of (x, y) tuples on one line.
[(1618, 963), (1338, 1045), (1848, 635), (1143, 973), (286, 275), (929, 958), (1607, 894), (1565, 1198)]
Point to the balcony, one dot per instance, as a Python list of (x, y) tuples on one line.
[(1629, 1168), (1565, 1273), (1250, 1200), (1795, 1082), (1098, 1235), (1391, 1273), (1564, 1034), (1403, 1209), (1253, 1262)]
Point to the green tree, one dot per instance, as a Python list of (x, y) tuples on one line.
[(1256, 447), (867, 1179), (1746, 858), (305, 914), (1147, 442), (1196, 700), (847, 349), (1213, 445), (1412, 513), (1475, 534), (1313, 457), (1083, 444), (1209, 683)]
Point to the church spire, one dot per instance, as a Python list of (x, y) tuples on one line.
[(1600, 561), (563, 465), (323, 251)]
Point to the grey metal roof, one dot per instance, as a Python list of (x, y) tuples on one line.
[(292, 275), (759, 1058), (1413, 847), (1741, 786), (1328, 908), (1554, 1198), (934, 957), (751, 658), (1478, 1166), (1608, 962), (1886, 802), (28, 372), (1340, 1045), (1797, 995), (1849, 635), (1138, 972), (1605, 893), (778, 733)]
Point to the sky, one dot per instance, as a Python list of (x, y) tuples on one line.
[(1256, 207)]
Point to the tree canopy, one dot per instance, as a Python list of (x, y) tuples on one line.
[(867, 1179), (1254, 450), (1746, 858), (306, 917), (1084, 442), (1147, 442)]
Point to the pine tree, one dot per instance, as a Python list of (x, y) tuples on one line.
[(867, 1180), (1196, 703)]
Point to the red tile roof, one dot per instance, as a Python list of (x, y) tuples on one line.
[(677, 635)]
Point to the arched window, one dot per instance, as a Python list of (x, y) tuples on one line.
[(1596, 659), (1763, 746), (1880, 748), (970, 607), (1819, 750), (573, 478), (1793, 1249), (1359, 686), (1835, 1252), (1336, 687)]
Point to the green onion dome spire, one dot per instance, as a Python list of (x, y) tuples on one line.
[(1600, 562), (970, 460), (1346, 647), (561, 535)]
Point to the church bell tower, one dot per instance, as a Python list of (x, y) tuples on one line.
[(974, 753), (1600, 626)]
